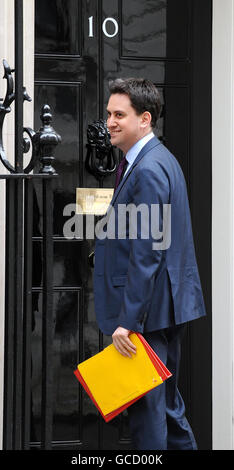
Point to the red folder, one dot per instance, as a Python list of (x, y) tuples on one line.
[(161, 369)]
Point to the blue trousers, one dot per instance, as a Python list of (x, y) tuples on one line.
[(157, 421)]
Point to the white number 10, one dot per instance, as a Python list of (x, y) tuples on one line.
[(112, 20)]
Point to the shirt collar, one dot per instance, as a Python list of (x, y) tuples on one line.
[(136, 148)]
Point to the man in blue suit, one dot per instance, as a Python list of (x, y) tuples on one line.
[(140, 284)]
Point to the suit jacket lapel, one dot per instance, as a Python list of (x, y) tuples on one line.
[(147, 147)]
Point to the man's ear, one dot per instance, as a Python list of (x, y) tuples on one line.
[(146, 119)]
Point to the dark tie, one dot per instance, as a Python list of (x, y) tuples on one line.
[(120, 171)]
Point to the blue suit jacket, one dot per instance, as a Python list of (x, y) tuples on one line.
[(136, 287)]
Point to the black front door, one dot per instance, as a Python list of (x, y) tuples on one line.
[(80, 45)]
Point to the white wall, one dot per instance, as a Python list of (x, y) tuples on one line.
[(222, 225), (7, 52)]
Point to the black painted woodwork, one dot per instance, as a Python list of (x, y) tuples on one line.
[(168, 42)]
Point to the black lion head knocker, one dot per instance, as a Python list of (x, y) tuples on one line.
[(100, 160)]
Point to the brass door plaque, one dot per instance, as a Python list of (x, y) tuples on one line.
[(93, 201)]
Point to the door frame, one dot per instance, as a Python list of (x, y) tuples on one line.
[(222, 223)]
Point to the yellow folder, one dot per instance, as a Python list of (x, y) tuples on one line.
[(114, 381)]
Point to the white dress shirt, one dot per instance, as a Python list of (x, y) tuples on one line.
[(135, 150)]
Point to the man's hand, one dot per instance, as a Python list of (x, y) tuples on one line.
[(122, 342)]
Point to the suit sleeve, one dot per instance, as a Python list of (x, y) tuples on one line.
[(151, 187)]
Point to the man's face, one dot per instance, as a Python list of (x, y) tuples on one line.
[(125, 126)]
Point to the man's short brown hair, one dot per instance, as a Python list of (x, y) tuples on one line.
[(142, 93)]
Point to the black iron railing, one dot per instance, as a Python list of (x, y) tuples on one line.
[(18, 258)]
